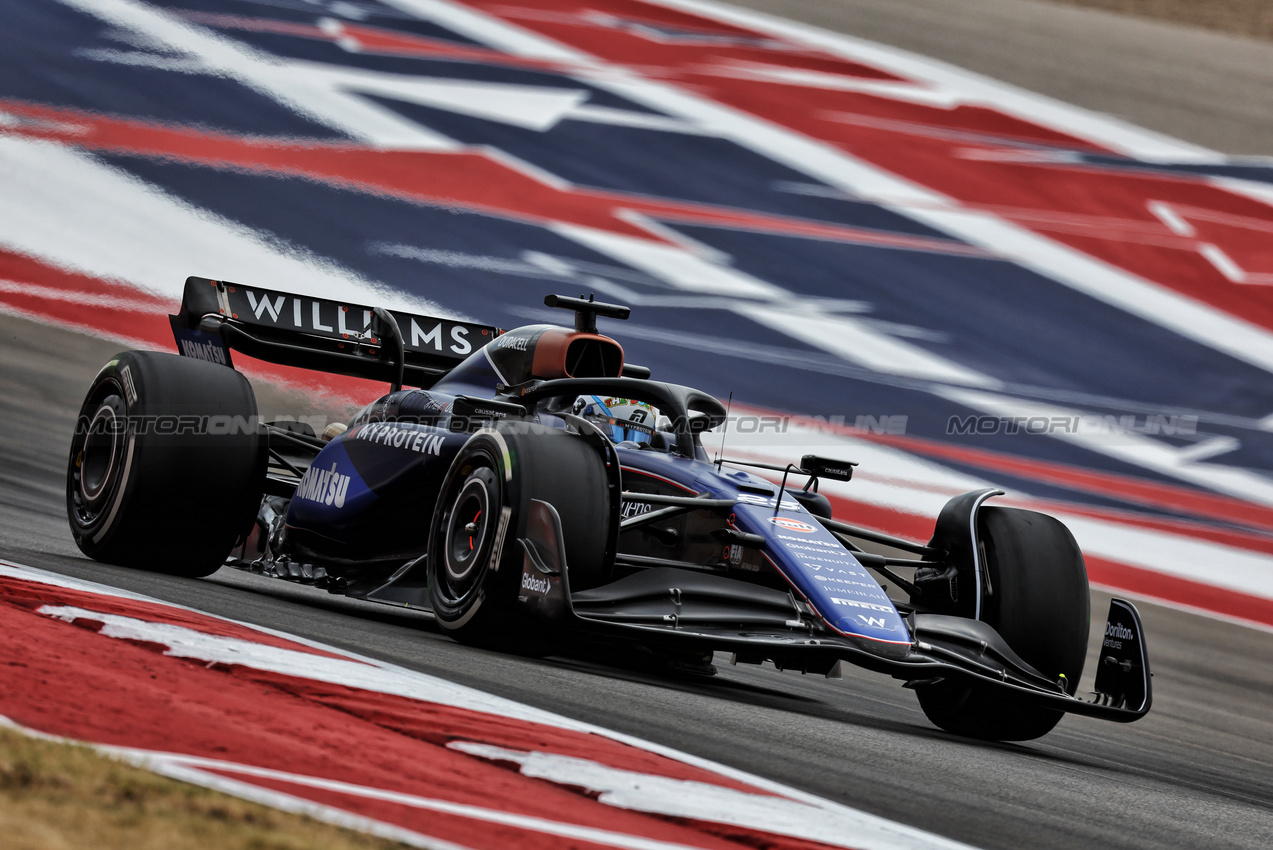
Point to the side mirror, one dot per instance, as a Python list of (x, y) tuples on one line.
[(825, 467)]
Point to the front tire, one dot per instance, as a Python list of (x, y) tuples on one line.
[(166, 467), (1039, 603), (474, 554)]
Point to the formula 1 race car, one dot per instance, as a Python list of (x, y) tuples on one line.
[(535, 484)]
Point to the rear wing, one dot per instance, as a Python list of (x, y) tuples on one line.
[(319, 334)]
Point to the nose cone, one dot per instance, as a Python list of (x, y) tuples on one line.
[(847, 597)]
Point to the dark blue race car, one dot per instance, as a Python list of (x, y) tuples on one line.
[(532, 488)]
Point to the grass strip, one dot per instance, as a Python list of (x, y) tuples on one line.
[(56, 795)]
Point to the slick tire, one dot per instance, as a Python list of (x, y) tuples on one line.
[(474, 554), (167, 466), (1039, 603)]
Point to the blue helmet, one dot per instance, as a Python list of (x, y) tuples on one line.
[(624, 419)]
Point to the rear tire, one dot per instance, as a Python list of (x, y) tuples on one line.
[(1040, 605), (474, 554), (152, 482)]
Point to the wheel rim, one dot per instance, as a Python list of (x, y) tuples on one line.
[(99, 453), (98, 457), (469, 532)]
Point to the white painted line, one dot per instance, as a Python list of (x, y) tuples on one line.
[(1262, 192), (909, 92), (491, 31), (1209, 448), (1168, 215), (537, 108), (1223, 262), (677, 798)]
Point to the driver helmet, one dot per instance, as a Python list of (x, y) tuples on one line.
[(624, 419)]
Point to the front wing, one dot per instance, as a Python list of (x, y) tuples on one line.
[(685, 608)]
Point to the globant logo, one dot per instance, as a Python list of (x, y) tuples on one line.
[(535, 584)]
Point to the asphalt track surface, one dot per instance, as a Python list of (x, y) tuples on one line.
[(1197, 772)]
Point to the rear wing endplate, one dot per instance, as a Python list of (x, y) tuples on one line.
[(316, 333)]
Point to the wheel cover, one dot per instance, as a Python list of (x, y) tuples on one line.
[(470, 527), (98, 457)]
